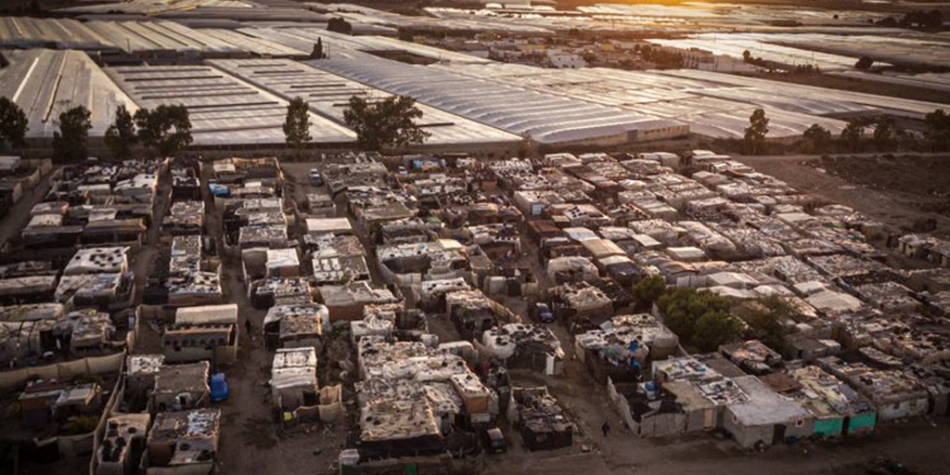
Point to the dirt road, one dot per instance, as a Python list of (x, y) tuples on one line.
[(253, 441), (918, 444), (18, 216)]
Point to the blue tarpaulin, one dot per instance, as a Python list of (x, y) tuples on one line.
[(219, 190)]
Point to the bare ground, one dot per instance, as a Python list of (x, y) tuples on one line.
[(924, 179), (858, 85), (252, 439), (896, 191)]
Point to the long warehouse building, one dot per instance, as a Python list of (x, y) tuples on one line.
[(144, 39), (547, 119), (61, 33), (328, 95), (224, 111), (45, 83)]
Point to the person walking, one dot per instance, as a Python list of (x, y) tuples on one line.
[(605, 428)]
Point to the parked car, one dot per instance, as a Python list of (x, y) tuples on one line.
[(544, 313), (494, 441), (219, 388), (316, 179)]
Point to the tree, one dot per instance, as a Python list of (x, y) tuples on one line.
[(339, 25), (767, 319), (883, 135), (714, 329), (817, 138), (938, 130), (864, 63), (648, 290), (120, 136), (69, 142), (683, 309), (661, 58), (13, 123), (389, 123), (931, 20), (756, 132), (853, 135), (318, 52), (889, 22), (297, 124), (528, 147), (167, 129)]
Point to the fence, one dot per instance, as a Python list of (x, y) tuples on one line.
[(11, 380)]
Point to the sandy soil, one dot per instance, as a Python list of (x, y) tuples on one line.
[(922, 180), (252, 439), (894, 191)]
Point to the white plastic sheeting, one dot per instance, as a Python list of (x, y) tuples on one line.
[(328, 93), (222, 109), (545, 118), (25, 32), (45, 83), (139, 36)]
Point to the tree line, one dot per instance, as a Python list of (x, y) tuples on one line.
[(862, 134), (166, 130), (917, 19)]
